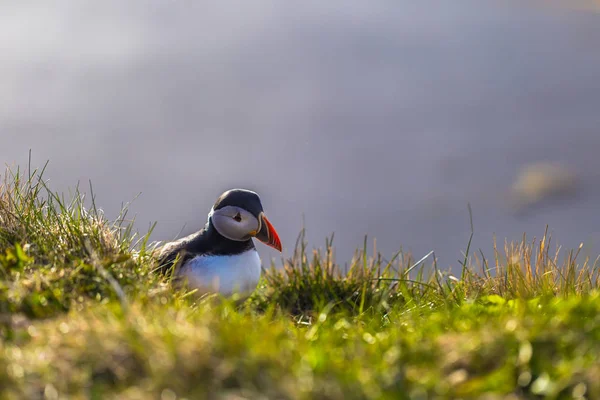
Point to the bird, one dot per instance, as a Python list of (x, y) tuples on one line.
[(221, 257)]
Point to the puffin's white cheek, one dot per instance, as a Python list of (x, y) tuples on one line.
[(233, 229), (223, 225), (249, 225)]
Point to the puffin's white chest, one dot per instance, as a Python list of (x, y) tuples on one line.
[(224, 274)]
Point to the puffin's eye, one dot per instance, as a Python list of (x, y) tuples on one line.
[(238, 217)]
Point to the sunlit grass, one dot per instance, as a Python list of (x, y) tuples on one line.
[(84, 315)]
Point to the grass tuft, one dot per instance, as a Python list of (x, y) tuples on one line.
[(312, 281), (56, 251)]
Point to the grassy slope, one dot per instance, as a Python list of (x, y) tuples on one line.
[(83, 316)]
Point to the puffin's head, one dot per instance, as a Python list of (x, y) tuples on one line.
[(238, 215)]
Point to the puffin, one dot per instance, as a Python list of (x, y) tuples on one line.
[(221, 257)]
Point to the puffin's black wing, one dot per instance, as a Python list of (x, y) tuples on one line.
[(168, 253)]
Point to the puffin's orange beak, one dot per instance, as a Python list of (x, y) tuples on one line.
[(267, 234)]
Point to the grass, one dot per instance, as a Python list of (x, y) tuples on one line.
[(83, 315)]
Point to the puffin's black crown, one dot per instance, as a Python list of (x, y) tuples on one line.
[(246, 199)]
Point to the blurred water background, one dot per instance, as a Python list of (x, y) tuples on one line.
[(383, 118)]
